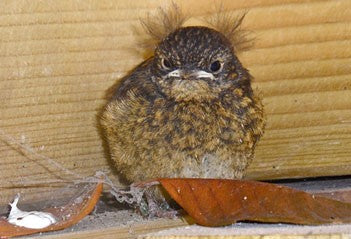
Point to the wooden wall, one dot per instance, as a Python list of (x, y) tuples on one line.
[(58, 58)]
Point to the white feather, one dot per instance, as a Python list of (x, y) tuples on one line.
[(32, 219)]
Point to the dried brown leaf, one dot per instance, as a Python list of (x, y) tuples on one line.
[(216, 202), (67, 215)]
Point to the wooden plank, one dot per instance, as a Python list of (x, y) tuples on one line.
[(121, 232), (58, 58), (156, 232)]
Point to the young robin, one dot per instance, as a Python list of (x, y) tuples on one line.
[(187, 111)]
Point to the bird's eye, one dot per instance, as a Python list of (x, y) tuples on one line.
[(216, 66), (166, 64)]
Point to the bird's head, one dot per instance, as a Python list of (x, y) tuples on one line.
[(195, 64)]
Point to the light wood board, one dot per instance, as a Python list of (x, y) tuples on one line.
[(58, 58)]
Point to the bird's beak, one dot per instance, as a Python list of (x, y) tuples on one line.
[(203, 75), (186, 74), (175, 73)]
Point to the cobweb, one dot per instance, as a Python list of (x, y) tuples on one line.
[(66, 186)]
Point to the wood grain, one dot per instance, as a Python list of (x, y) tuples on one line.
[(136, 230), (58, 58)]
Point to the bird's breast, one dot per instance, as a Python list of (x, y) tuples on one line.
[(196, 128)]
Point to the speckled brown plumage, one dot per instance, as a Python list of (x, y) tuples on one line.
[(188, 111)]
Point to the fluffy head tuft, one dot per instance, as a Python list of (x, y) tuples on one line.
[(229, 24), (168, 20), (164, 22)]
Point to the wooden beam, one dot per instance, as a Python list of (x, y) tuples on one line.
[(58, 58)]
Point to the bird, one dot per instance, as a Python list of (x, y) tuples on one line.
[(189, 110)]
